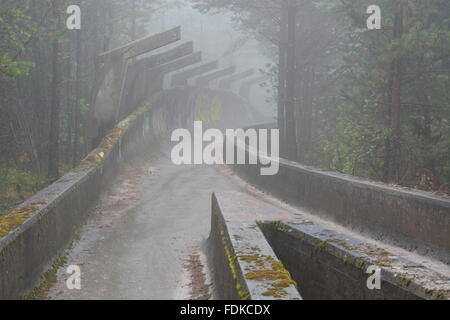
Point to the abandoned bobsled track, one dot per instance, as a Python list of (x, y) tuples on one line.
[(140, 227)]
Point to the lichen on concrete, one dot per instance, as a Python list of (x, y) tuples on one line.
[(15, 218), (113, 137), (47, 281), (268, 269)]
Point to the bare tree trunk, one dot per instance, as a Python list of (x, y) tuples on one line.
[(53, 161), (282, 76), (306, 112), (291, 143), (133, 19), (300, 83), (69, 105), (395, 143), (77, 117)]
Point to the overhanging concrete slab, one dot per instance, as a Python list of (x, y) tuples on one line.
[(166, 56), (144, 45), (111, 74), (181, 79), (207, 79)]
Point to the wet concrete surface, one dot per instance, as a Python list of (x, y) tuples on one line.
[(146, 238)]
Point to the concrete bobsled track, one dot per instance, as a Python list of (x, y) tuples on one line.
[(140, 227), (41, 229)]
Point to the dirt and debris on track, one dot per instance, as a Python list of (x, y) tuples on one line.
[(145, 240), (199, 281)]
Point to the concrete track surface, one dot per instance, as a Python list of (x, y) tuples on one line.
[(146, 238)]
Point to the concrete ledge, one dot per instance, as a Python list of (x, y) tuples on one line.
[(414, 220), (245, 266), (27, 252), (49, 219), (324, 263), (330, 265)]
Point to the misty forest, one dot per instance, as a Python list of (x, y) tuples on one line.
[(373, 104), (224, 150)]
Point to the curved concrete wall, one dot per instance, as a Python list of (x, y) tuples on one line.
[(249, 234), (411, 219)]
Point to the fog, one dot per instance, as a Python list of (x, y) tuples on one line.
[(218, 37), (304, 155)]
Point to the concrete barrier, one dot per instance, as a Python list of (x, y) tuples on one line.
[(414, 220), (47, 220), (324, 263), (245, 266), (329, 265)]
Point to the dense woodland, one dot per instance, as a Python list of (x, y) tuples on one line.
[(46, 76), (370, 103)]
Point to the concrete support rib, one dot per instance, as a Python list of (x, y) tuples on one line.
[(111, 74), (137, 74), (226, 83), (246, 87), (166, 56), (154, 77), (177, 64), (181, 79), (150, 80), (205, 80), (144, 45)]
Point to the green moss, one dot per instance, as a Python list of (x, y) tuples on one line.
[(277, 225), (263, 275), (441, 295), (113, 137), (276, 293), (323, 244), (99, 154), (249, 258), (243, 294), (15, 218), (407, 282), (47, 281), (259, 268), (278, 274), (359, 264), (237, 237), (285, 283), (347, 260)]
